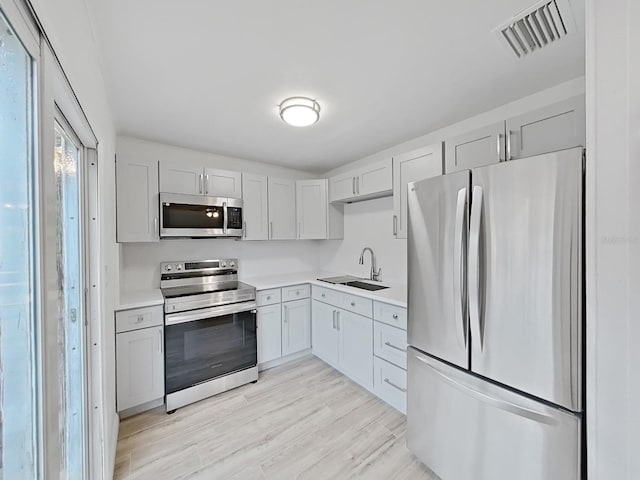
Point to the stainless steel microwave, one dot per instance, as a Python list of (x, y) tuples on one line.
[(199, 216)]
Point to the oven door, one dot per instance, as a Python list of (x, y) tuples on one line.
[(192, 216), (204, 344)]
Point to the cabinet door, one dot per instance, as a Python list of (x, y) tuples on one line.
[(375, 179), (282, 209), (269, 333), (180, 179), (475, 149), (296, 326), (410, 167), (311, 208), (324, 332), (137, 200), (255, 210), (140, 367), (555, 127), (342, 187), (222, 183), (355, 347)]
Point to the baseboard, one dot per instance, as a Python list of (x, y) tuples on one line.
[(129, 412), (282, 360), (113, 443)]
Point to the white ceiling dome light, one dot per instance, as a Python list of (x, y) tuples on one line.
[(299, 111)]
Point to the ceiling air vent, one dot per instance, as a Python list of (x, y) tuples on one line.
[(537, 27)]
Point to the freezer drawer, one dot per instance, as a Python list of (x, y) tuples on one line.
[(463, 427)]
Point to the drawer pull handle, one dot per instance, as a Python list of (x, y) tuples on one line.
[(268, 297), (140, 319), (324, 295), (353, 304), (297, 292), (388, 344), (403, 390), (395, 316)]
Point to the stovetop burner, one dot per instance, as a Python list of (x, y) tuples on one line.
[(191, 285)]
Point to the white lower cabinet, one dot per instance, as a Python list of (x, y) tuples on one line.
[(390, 384), (269, 333), (345, 341), (296, 326), (284, 327), (139, 365), (371, 353), (324, 332), (355, 349)]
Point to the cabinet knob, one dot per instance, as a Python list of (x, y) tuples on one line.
[(395, 316), (353, 304), (140, 319), (324, 295), (268, 297), (297, 292)]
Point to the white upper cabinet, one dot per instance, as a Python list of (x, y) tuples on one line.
[(137, 200), (197, 180), (483, 146), (282, 209), (311, 207), (342, 187), (181, 179), (255, 210), (222, 183), (410, 167), (370, 181), (375, 180), (552, 128)]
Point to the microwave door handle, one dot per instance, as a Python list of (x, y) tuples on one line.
[(225, 218)]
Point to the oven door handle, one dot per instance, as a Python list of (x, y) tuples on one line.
[(202, 313)]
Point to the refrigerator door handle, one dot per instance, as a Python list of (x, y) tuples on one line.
[(496, 402), (474, 269), (459, 265)]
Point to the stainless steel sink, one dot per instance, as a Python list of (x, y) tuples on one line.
[(365, 286), (351, 281)]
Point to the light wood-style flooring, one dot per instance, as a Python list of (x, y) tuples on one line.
[(301, 420)]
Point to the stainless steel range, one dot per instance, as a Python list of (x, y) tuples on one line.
[(210, 330)]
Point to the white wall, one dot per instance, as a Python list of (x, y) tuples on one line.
[(613, 239), (140, 263), (370, 223), (68, 27)]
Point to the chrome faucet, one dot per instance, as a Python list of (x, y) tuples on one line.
[(374, 273)]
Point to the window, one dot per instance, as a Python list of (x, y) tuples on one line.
[(18, 293)]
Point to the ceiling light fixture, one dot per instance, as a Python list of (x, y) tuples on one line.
[(299, 111)]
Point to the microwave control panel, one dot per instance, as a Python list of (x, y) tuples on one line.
[(234, 217)]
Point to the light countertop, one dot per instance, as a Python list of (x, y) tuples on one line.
[(140, 299), (396, 294)]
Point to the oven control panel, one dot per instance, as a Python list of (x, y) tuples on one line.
[(196, 266)]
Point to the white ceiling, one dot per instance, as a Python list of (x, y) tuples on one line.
[(209, 74)]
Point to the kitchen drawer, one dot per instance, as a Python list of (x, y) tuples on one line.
[(326, 295), (296, 292), (390, 343), (390, 384), (137, 318), (359, 305), (268, 297), (390, 314)]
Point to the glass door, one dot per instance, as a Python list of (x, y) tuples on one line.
[(19, 457), (71, 316)]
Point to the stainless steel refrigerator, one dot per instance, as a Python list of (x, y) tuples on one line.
[(495, 320)]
